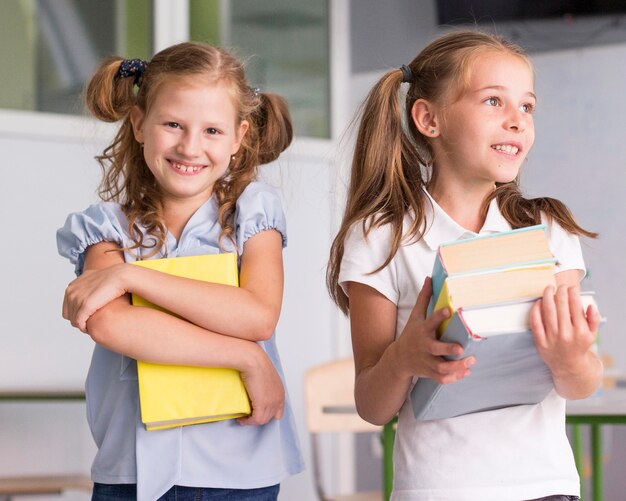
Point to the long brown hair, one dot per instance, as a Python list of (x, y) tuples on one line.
[(126, 177), (393, 163)]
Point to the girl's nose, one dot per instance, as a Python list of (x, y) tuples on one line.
[(516, 120), (189, 145)]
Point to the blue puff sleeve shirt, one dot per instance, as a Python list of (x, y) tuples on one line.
[(222, 454)]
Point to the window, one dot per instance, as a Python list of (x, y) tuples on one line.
[(51, 47), (285, 44)]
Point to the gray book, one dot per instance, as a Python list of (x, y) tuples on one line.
[(508, 371)]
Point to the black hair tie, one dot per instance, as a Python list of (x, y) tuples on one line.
[(407, 74), (132, 68)]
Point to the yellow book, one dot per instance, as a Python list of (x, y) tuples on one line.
[(174, 395)]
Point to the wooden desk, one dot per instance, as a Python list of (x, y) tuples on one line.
[(40, 395), (607, 408)]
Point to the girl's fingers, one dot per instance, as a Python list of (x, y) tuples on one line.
[(421, 304), (436, 319), (577, 314), (441, 349), (64, 309), (536, 323), (82, 323), (593, 319), (549, 311), (279, 412), (262, 416), (563, 311), (446, 372)]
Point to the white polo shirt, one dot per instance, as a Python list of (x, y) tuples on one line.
[(514, 454)]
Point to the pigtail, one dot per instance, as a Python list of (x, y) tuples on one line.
[(521, 212), (270, 132), (273, 124), (386, 179), (109, 96)]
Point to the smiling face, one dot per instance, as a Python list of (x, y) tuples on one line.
[(484, 136), (189, 134)]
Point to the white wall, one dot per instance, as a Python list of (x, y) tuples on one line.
[(579, 157), (307, 327), (48, 171)]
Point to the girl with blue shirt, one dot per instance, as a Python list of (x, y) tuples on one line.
[(444, 166), (179, 180)]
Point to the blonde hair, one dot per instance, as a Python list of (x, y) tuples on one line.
[(393, 163), (126, 176)]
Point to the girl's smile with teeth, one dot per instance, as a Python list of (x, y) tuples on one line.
[(506, 148), (186, 169)]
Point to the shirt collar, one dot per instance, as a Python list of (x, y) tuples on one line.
[(441, 228)]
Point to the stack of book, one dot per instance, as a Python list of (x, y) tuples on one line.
[(174, 395), (490, 283)]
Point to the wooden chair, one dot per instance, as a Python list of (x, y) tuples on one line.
[(330, 408), (11, 487)]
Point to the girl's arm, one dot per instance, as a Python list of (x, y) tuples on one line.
[(153, 336), (385, 366), (564, 335), (255, 304)]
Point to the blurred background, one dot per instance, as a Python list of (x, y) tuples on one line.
[(323, 56)]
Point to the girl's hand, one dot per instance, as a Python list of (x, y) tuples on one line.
[(421, 353), (266, 392), (90, 292), (563, 332)]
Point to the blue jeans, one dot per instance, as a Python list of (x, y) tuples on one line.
[(128, 492)]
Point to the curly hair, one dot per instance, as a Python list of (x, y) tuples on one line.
[(127, 179)]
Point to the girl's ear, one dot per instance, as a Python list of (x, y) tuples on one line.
[(424, 115), (136, 120), (240, 132)]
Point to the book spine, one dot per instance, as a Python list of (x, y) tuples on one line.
[(439, 274), (444, 301)]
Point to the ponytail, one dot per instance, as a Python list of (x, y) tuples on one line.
[(386, 180), (521, 212), (108, 97), (273, 123), (269, 134)]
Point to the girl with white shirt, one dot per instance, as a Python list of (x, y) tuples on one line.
[(447, 167)]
